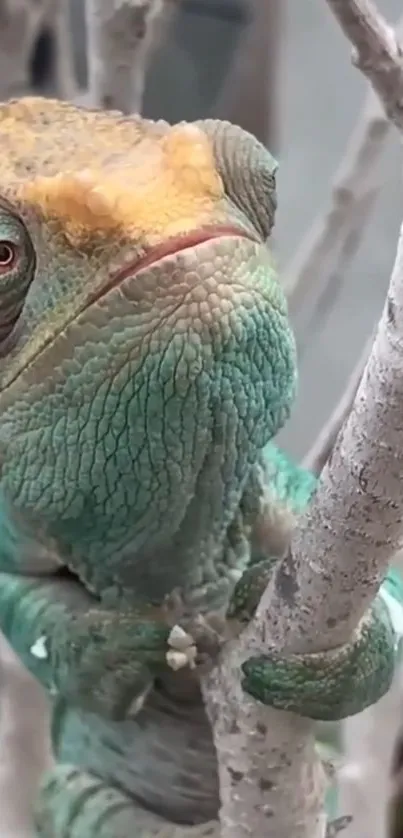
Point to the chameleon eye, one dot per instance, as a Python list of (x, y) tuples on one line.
[(7, 255), (17, 266)]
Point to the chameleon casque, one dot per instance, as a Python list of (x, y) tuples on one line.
[(146, 363)]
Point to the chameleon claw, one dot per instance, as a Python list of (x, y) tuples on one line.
[(331, 685), (183, 651)]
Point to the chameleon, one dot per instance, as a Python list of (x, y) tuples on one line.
[(147, 362)]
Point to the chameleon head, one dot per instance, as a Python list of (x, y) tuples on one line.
[(146, 352)]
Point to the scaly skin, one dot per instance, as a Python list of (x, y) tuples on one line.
[(146, 360)]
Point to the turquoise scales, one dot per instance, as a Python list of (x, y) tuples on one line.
[(146, 362)]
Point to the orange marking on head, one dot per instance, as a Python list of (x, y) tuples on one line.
[(190, 156), (162, 190)]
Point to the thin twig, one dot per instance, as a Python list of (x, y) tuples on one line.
[(376, 52), (60, 20), (332, 286), (317, 456), (357, 174)]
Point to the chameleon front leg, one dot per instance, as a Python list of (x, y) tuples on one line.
[(77, 804), (325, 686), (101, 660)]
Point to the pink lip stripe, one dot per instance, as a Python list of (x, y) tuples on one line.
[(169, 248)]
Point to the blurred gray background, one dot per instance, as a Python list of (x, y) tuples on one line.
[(320, 95)]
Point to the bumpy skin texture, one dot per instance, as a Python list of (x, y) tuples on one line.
[(146, 360)]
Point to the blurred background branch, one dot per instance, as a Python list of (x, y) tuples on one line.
[(250, 95)]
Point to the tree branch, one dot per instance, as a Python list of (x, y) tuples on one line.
[(376, 52), (357, 175), (355, 187), (338, 558), (337, 276)]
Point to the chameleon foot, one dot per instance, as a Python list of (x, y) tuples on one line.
[(106, 661), (331, 685), (327, 686), (100, 660)]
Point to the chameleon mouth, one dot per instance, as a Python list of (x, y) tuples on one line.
[(176, 244), (170, 247)]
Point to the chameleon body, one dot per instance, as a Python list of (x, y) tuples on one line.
[(146, 360)]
